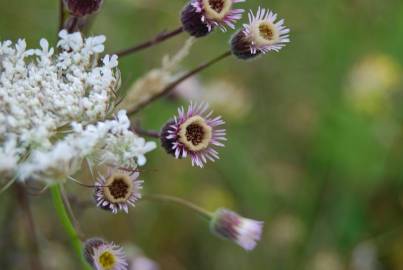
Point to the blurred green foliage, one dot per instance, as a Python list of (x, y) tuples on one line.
[(322, 172)]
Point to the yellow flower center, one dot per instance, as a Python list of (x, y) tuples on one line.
[(217, 9), (107, 260), (264, 33), (195, 134), (118, 188)]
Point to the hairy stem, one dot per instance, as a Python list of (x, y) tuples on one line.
[(166, 198), (67, 224), (174, 84), (150, 43)]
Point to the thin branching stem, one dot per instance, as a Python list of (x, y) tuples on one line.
[(167, 198), (34, 257), (150, 43), (71, 213), (174, 84), (143, 132)]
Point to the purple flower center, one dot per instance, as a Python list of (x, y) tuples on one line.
[(118, 188), (217, 5), (195, 134)]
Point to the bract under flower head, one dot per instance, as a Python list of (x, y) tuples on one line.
[(199, 17)]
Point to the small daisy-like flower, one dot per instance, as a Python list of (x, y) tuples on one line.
[(199, 17), (193, 133), (118, 190), (82, 7), (104, 256), (243, 231), (261, 35)]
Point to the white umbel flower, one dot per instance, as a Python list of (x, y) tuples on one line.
[(53, 110)]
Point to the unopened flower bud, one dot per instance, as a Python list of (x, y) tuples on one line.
[(243, 231)]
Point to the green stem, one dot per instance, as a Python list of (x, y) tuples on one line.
[(67, 224), (180, 201)]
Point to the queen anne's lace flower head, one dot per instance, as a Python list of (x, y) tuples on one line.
[(104, 256), (243, 231), (119, 190), (199, 17), (194, 133), (53, 108), (261, 35)]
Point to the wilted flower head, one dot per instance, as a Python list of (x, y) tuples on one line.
[(261, 35), (119, 190), (104, 256), (228, 224), (193, 133), (199, 17), (82, 7)]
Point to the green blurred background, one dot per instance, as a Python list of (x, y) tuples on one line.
[(315, 142)]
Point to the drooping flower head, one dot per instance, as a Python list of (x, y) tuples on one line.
[(243, 231), (82, 7), (104, 256), (199, 17), (119, 190), (194, 133), (261, 35)]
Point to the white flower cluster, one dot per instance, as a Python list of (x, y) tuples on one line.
[(43, 94)]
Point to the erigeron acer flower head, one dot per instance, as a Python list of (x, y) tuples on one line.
[(83, 7), (104, 256), (261, 35), (243, 231), (194, 133), (119, 190), (199, 17)]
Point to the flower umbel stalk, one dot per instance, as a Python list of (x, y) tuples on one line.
[(150, 43), (67, 224), (166, 198), (175, 83)]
